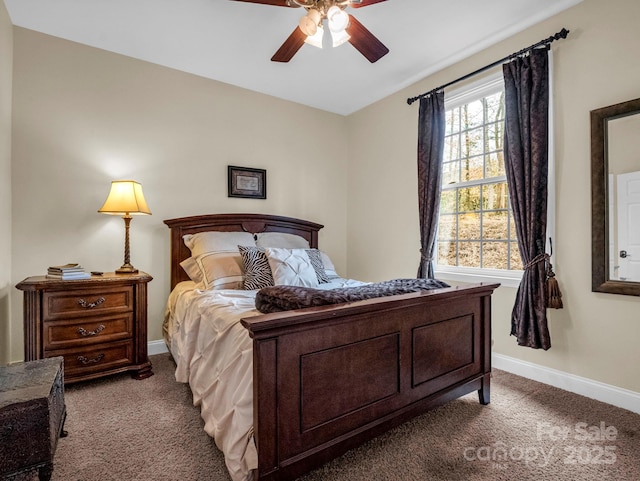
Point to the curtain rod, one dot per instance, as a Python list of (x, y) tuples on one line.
[(561, 34)]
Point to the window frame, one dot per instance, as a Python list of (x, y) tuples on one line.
[(489, 85)]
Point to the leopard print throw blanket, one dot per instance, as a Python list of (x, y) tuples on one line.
[(285, 298)]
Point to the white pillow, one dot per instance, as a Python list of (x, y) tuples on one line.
[(204, 242), (192, 269), (291, 267), (281, 239), (221, 270), (217, 257), (329, 268)]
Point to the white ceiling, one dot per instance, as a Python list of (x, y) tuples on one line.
[(232, 41)]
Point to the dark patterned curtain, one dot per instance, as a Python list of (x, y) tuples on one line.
[(431, 124), (526, 162)]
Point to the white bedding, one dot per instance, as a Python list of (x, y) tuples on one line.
[(213, 353)]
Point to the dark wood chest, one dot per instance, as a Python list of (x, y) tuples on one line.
[(32, 414)]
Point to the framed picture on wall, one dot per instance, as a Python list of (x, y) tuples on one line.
[(247, 182)]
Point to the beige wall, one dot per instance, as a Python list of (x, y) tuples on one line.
[(595, 335), (83, 117), (6, 61)]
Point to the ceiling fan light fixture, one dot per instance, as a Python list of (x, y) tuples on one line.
[(310, 22), (339, 37), (337, 18), (343, 27), (316, 39)]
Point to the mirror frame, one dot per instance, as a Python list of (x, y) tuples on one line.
[(600, 281)]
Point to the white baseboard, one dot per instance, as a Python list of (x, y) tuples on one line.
[(159, 347), (607, 393)]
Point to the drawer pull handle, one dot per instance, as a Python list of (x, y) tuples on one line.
[(83, 332), (86, 361), (91, 305)]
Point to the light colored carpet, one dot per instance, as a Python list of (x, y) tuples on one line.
[(122, 429)]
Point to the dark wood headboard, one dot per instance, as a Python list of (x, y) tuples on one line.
[(253, 223)]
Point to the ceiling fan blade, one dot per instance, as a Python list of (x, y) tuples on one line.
[(275, 3), (290, 46), (363, 40), (364, 3)]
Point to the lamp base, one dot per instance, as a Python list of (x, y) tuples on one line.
[(127, 269)]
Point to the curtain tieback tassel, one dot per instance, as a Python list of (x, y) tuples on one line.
[(553, 296), (536, 260)]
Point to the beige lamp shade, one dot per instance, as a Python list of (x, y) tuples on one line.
[(125, 198)]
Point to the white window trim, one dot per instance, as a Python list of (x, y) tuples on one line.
[(508, 278), (551, 183), (481, 88)]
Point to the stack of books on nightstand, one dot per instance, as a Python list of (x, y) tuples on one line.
[(67, 272)]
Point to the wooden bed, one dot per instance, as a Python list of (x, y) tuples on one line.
[(330, 378)]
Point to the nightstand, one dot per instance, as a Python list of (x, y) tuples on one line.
[(99, 325)]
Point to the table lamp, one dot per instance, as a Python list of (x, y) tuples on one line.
[(125, 199)]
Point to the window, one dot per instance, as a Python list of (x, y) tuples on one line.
[(476, 231)]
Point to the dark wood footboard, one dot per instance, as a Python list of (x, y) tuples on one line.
[(328, 379)]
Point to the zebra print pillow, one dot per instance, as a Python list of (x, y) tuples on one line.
[(257, 273), (316, 261)]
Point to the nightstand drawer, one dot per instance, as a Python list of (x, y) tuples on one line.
[(85, 302), (94, 358), (66, 333)]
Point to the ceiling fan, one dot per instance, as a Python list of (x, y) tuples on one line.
[(343, 27)]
